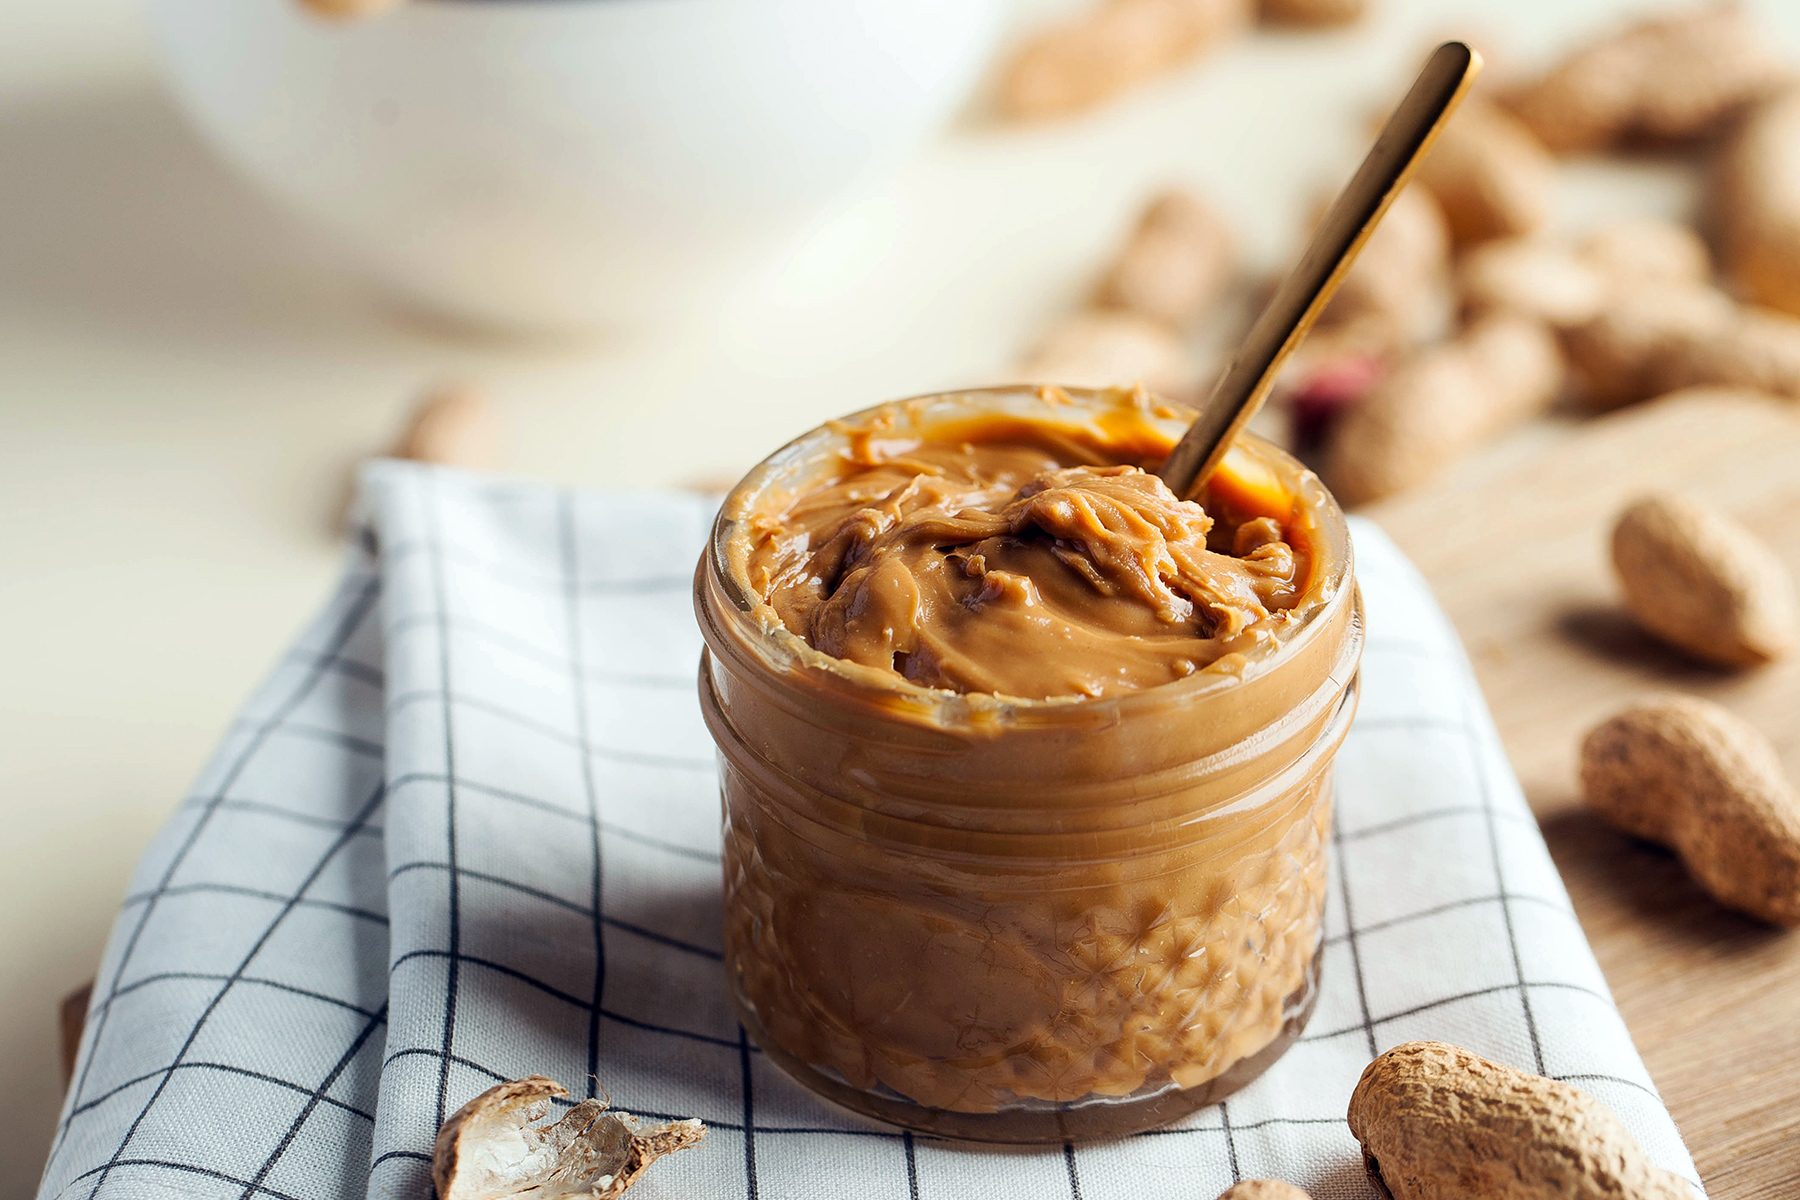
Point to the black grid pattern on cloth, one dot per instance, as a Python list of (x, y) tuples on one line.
[(540, 895)]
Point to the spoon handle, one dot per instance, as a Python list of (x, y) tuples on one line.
[(1297, 303)]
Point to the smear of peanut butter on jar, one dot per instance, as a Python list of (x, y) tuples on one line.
[(1020, 558)]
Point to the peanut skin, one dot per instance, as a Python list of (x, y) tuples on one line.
[(1703, 583), (1439, 1123), (1688, 774)]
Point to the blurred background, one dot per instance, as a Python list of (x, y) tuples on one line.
[(238, 238)]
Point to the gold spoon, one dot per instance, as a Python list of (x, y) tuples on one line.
[(1297, 303)]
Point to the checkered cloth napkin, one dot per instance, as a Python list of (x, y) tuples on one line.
[(469, 830)]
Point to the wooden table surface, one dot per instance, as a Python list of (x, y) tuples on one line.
[(1515, 548)]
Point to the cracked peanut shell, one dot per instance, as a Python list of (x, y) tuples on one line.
[(494, 1147)]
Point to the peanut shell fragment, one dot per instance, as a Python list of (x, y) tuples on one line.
[(493, 1147), (1690, 775), (1439, 1123), (1264, 1189), (1704, 584)]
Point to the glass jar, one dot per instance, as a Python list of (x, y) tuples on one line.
[(1023, 920)]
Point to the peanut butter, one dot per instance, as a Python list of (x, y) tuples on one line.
[(1016, 558), (1024, 760)]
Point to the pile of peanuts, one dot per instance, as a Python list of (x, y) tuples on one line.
[(1464, 317)]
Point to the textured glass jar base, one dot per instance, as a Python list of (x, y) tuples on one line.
[(1040, 1123)]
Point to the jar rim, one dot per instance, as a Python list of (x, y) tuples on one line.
[(780, 649)]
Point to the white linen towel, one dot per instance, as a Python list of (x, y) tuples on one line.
[(469, 831)]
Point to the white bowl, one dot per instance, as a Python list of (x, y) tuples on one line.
[(569, 163)]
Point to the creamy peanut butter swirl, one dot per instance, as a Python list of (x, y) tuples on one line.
[(1021, 558)]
